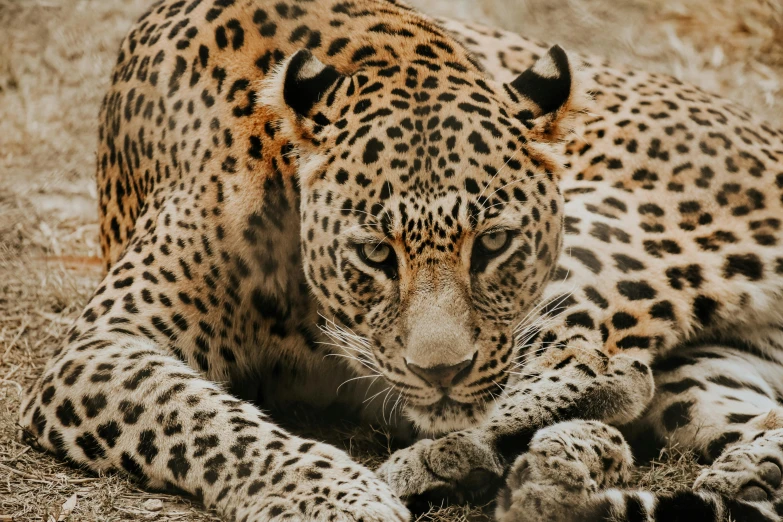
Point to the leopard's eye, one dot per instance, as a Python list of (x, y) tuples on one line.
[(375, 253), (379, 256), (487, 247), (494, 241)]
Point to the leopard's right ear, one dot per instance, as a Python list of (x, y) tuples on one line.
[(296, 91)]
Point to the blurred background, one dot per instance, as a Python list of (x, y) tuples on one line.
[(55, 59)]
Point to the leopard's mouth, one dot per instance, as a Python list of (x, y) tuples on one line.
[(448, 402), (447, 415)]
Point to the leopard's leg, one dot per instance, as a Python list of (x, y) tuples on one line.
[(147, 413), (718, 401), (722, 403), (133, 388), (575, 471), (474, 460), (711, 397)]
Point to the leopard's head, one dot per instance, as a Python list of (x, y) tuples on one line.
[(431, 217)]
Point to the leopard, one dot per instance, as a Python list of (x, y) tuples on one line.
[(522, 248), (649, 225)]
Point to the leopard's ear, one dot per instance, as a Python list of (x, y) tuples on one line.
[(297, 91), (548, 95)]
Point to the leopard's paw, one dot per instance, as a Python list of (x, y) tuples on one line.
[(751, 471), (455, 467), (567, 464)]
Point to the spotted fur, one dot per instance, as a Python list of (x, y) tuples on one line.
[(661, 265), (280, 181), (575, 471)]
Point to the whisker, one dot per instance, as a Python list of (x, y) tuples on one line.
[(374, 396), (332, 326), (516, 180), (522, 361), (371, 216), (348, 349), (560, 297), (557, 302), (535, 322), (373, 376), (371, 385), (546, 302), (399, 401), (346, 343), (383, 408), (495, 176), (344, 356)]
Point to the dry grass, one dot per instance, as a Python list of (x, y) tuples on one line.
[(55, 57)]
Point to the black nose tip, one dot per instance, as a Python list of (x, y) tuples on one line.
[(443, 375)]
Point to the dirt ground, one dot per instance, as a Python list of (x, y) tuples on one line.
[(55, 58)]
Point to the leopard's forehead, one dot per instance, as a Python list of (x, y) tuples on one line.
[(420, 153), (426, 126)]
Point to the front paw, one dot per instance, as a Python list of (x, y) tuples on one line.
[(455, 467), (566, 465), (532, 494)]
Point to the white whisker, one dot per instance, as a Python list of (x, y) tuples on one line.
[(515, 181), (368, 401), (383, 407), (373, 376), (495, 176)]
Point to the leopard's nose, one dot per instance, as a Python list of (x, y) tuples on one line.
[(443, 376)]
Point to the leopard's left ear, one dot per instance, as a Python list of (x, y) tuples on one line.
[(298, 92), (548, 95)]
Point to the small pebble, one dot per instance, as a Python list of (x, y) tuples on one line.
[(153, 504)]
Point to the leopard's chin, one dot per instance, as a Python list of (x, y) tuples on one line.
[(447, 415)]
